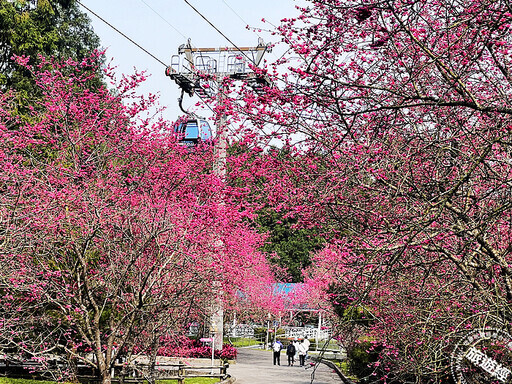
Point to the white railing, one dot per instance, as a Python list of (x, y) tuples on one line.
[(241, 330), (306, 333), (244, 330)]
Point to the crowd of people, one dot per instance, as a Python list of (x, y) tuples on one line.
[(295, 350)]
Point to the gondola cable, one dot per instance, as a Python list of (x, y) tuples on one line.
[(219, 31), (122, 34), (152, 55), (165, 20)]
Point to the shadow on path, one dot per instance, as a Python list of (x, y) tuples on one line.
[(254, 366)]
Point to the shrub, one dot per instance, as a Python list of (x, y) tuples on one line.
[(185, 347)]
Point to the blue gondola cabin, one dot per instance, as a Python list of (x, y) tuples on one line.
[(193, 132)]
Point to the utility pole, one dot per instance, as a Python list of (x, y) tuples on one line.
[(202, 71)]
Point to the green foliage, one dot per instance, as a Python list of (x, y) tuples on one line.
[(288, 246), (56, 28), (346, 309), (192, 380), (291, 246), (7, 380), (344, 366), (260, 333), (360, 358), (242, 341)]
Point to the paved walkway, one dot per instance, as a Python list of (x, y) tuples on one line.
[(255, 367)]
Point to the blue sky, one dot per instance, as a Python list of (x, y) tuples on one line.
[(161, 26)]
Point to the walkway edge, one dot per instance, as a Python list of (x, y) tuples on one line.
[(229, 380), (336, 369)]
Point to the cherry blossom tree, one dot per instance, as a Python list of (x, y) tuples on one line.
[(109, 229), (396, 115)]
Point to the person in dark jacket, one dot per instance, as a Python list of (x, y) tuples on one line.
[(290, 352)]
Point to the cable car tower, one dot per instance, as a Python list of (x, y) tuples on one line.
[(202, 71)]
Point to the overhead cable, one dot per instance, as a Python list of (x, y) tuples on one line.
[(240, 17), (219, 31), (248, 26), (160, 16), (133, 42), (122, 34)]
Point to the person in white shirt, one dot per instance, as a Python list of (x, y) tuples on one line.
[(303, 350), (277, 352)]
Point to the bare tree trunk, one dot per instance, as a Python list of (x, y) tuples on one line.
[(106, 378), (152, 358), (104, 366)]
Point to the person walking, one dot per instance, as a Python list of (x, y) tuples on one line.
[(307, 343), (277, 347), (290, 352), (302, 352)]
